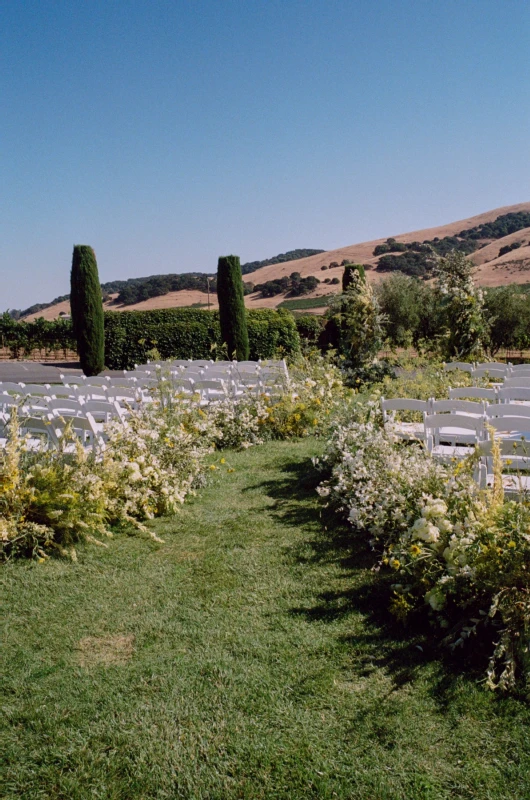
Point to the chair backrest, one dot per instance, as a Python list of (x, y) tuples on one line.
[(7, 401), (513, 425), (403, 404), (491, 372), (180, 362), (457, 406), (453, 365), (8, 387), (516, 369), (41, 427), (59, 390), (97, 382), (507, 410), (144, 367), (73, 380), (62, 405), (36, 390), (492, 365), (103, 410), (516, 380), (148, 383), (477, 392), (461, 421), (123, 397), (182, 385), (201, 362), (123, 382), (514, 393), (202, 385)]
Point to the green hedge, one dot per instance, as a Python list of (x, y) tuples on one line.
[(174, 332), (191, 333)]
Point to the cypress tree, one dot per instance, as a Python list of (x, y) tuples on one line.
[(232, 315), (347, 275), (87, 310)]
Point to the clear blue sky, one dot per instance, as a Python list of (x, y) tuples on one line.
[(165, 134)]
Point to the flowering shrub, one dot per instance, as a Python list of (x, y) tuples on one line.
[(48, 499), (461, 555)]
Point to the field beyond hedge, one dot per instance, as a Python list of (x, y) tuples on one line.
[(249, 656)]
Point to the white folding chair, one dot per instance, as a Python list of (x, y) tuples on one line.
[(210, 391), (61, 390), (493, 373), (7, 387), (97, 381), (36, 390), (202, 363), (475, 392), (73, 380), (517, 380), (519, 394), (513, 428), (462, 365), (40, 432), (60, 405), (450, 436), (405, 430), (467, 407), (103, 411), (507, 410), (515, 459)]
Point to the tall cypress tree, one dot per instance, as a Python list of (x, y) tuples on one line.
[(87, 310), (232, 316)]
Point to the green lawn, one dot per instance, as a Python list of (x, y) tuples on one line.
[(249, 656)]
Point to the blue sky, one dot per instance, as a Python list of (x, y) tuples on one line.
[(165, 134)]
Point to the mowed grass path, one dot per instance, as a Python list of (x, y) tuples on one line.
[(249, 656)]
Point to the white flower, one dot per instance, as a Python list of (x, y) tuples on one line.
[(425, 530), (435, 598)]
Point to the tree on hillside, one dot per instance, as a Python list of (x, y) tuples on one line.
[(87, 310), (232, 315)]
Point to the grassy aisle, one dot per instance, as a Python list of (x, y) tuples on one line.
[(242, 658)]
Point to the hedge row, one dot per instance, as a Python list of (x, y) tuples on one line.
[(191, 333), (174, 332)]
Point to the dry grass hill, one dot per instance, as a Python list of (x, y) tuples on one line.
[(492, 270)]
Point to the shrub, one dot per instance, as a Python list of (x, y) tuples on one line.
[(334, 281), (191, 333), (232, 315), (87, 310)]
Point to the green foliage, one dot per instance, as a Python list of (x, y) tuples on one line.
[(508, 311), (391, 246), (402, 301), (420, 257), (87, 310), (354, 326), (294, 284), (232, 315), (499, 228), (347, 275), (191, 333), (291, 255), (465, 328), (508, 248), (309, 327)]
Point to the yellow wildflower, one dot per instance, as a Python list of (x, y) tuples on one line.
[(223, 461), (415, 550), (512, 544), (212, 466), (395, 563)]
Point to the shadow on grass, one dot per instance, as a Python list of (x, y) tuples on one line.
[(383, 643)]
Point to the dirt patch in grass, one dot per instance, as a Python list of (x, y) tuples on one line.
[(106, 650)]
